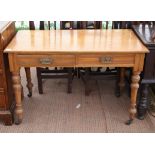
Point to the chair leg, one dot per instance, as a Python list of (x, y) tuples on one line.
[(122, 79), (70, 78), (117, 88), (87, 78), (120, 82), (40, 85)]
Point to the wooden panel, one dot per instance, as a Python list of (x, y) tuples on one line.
[(7, 34), (46, 60), (1, 81), (7, 31), (2, 100), (1, 61), (115, 60)]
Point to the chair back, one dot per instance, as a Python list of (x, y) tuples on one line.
[(41, 25)]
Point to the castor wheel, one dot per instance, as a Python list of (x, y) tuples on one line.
[(140, 117), (17, 120), (117, 94), (128, 122), (29, 94)]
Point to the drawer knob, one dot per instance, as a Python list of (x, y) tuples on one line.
[(106, 59), (46, 61)]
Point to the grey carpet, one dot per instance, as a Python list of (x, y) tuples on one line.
[(57, 111)]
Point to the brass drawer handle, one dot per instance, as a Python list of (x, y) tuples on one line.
[(106, 59), (46, 61)]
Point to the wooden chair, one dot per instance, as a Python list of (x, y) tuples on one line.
[(90, 24), (64, 25), (47, 73)]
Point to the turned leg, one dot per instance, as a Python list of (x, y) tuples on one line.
[(120, 83), (143, 102), (70, 80), (29, 83), (17, 92), (134, 89)]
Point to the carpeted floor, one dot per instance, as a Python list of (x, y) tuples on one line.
[(57, 111)]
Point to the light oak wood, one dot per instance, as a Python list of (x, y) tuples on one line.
[(46, 60), (134, 89), (102, 60), (75, 48), (75, 41), (18, 97)]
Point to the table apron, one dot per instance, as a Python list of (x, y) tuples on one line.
[(74, 60)]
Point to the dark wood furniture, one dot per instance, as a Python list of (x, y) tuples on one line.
[(48, 73), (66, 25), (7, 31), (145, 32), (87, 49), (90, 24)]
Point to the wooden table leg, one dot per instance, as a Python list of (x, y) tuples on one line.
[(29, 83), (17, 92), (134, 89)]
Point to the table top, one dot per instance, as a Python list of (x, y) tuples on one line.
[(75, 41), (145, 34)]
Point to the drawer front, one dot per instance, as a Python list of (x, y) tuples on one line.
[(46, 60), (7, 34), (2, 100), (105, 60)]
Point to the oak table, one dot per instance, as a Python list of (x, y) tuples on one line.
[(74, 48)]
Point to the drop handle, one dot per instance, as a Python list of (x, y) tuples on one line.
[(106, 59), (46, 61)]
